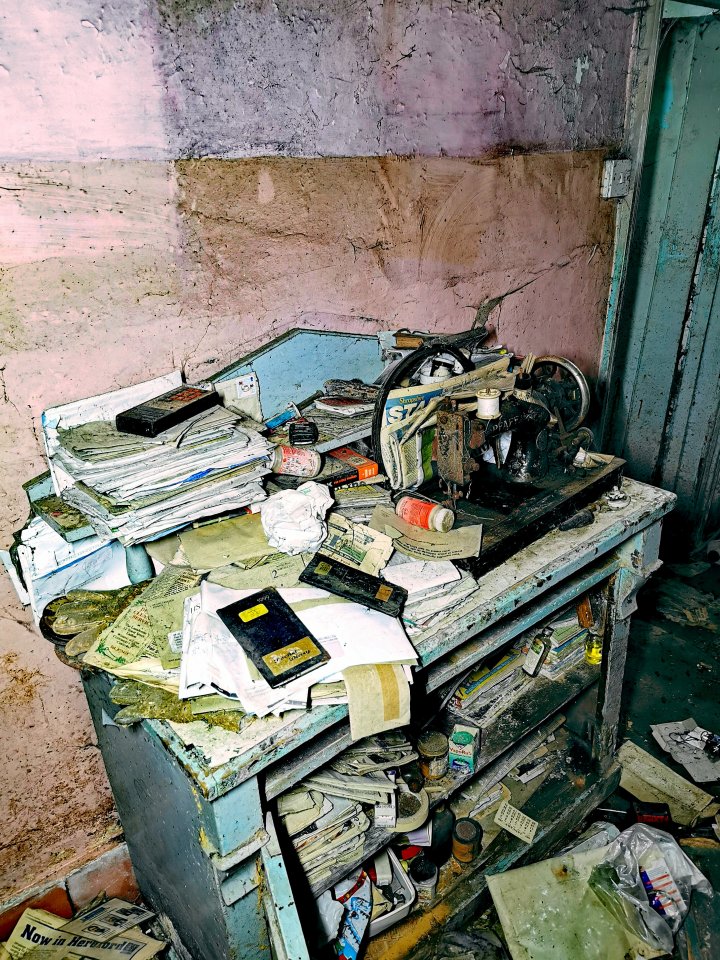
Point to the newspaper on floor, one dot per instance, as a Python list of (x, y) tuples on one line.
[(39, 935), (135, 488), (410, 413)]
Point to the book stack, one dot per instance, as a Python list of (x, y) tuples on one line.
[(567, 646), (491, 687)]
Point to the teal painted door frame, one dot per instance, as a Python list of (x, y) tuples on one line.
[(663, 379)]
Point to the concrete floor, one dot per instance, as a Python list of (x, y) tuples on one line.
[(673, 672)]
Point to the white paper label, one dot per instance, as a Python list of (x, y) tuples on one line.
[(516, 822)]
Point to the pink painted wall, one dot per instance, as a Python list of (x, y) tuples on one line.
[(119, 262)]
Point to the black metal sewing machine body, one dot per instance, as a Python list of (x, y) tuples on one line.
[(522, 495), (461, 437)]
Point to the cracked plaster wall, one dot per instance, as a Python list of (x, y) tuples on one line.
[(119, 259)]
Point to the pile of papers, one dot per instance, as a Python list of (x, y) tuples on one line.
[(324, 816), (357, 502), (326, 830), (135, 488), (214, 662), (433, 588), (51, 566)]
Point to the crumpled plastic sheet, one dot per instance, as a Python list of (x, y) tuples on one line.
[(617, 881), (294, 520), (593, 904)]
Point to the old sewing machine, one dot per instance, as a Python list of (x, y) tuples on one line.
[(516, 459)]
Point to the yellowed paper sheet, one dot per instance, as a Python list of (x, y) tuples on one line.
[(427, 544), (38, 935), (142, 629), (649, 780), (378, 698), (240, 540), (278, 570)]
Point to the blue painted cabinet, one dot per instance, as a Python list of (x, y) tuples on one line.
[(197, 811)]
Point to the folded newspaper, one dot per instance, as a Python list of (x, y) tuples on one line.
[(104, 932), (409, 419)]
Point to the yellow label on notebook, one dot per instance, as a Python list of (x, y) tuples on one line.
[(384, 593), (323, 568), (280, 661), (252, 613)]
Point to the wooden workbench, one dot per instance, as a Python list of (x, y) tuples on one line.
[(196, 803)]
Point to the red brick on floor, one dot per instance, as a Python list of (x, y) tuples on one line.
[(112, 873), (54, 899)]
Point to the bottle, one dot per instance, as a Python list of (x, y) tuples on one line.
[(429, 516), (443, 822), (537, 654), (593, 648), (296, 461)]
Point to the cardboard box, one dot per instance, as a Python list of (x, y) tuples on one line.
[(464, 748)]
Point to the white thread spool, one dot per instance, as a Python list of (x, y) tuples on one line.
[(488, 404)]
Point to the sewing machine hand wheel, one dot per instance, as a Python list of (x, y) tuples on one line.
[(401, 374), (564, 389)]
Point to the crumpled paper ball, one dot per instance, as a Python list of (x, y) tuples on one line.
[(293, 520)]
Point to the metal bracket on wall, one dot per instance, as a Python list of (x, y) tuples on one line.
[(616, 179)]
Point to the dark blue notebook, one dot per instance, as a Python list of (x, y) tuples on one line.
[(275, 639)]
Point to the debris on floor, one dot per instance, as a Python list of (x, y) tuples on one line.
[(103, 930)]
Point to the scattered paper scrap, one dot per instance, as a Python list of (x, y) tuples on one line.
[(516, 822), (685, 742), (651, 781), (356, 545), (378, 698)]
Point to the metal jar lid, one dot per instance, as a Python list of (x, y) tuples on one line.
[(467, 830), (433, 744)]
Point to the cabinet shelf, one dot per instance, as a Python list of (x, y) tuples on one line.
[(558, 806), (538, 701)]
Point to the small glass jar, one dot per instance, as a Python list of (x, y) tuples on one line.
[(433, 748), (467, 839), (593, 649)]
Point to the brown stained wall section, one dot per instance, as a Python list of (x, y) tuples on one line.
[(382, 243)]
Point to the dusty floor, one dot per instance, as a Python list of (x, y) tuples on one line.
[(673, 672)]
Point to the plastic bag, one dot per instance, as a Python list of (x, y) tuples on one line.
[(646, 881)]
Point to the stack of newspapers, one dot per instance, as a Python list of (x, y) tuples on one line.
[(135, 488)]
